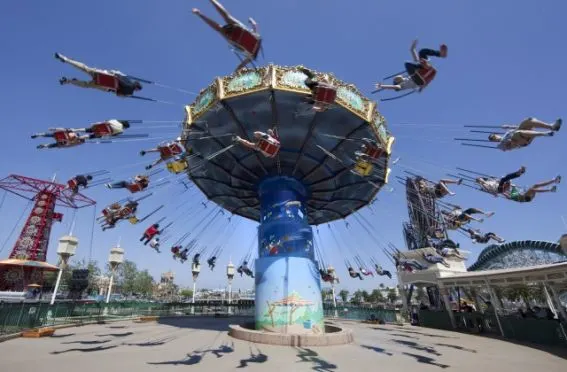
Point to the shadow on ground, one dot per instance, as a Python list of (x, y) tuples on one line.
[(156, 342), (96, 342), (309, 356), (255, 357), (85, 350), (205, 323), (457, 347), (376, 349), (426, 360), (416, 346), (62, 336), (116, 334)]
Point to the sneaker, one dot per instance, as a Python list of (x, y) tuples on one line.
[(490, 214), (59, 57), (557, 124), (142, 153), (522, 169), (554, 189), (443, 50), (551, 134), (459, 181), (196, 11), (108, 185), (34, 136), (558, 179), (63, 80)]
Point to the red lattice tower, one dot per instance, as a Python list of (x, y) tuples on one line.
[(33, 241)]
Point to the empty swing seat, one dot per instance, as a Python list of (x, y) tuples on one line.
[(373, 152), (325, 94), (177, 166), (362, 168), (170, 150)]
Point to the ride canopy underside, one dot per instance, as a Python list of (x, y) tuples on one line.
[(274, 97)]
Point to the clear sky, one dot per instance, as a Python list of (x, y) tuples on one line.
[(505, 62)]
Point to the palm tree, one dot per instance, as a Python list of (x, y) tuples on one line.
[(343, 294)]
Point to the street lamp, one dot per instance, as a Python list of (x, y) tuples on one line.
[(230, 275), (195, 270), (66, 248), (115, 258)]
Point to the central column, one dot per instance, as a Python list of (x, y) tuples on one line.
[(288, 289)]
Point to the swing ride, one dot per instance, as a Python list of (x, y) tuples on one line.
[(26, 262), (309, 181)]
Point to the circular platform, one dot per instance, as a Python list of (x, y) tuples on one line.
[(252, 100), (334, 335)]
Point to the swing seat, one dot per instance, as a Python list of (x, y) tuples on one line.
[(178, 166), (134, 187), (170, 150), (102, 130), (133, 220), (57, 216), (64, 136), (325, 93), (269, 147), (373, 152), (363, 168), (245, 40), (72, 184), (426, 73), (107, 81)]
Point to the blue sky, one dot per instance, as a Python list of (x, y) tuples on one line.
[(504, 65)]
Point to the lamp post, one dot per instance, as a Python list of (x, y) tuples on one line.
[(230, 275), (115, 258), (66, 248), (195, 270)]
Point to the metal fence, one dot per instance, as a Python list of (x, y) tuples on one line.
[(16, 317)]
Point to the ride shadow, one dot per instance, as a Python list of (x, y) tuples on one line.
[(457, 347), (426, 360), (96, 342), (125, 334), (255, 357), (85, 350), (157, 342), (400, 329), (376, 349), (416, 346), (207, 323), (62, 336), (310, 356), (197, 356)]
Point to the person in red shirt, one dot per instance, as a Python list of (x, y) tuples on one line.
[(150, 233), (421, 70)]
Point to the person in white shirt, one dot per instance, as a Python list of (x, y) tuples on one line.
[(522, 135)]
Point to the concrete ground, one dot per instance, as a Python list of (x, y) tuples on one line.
[(203, 344)]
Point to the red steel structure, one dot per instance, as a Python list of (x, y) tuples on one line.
[(31, 246)]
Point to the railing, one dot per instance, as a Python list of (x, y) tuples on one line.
[(540, 331), (16, 317)]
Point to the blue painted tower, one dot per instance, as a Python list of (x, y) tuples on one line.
[(288, 288)]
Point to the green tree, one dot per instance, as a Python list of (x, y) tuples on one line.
[(376, 296), (125, 276), (356, 297), (144, 283), (186, 293), (343, 294), (392, 295), (326, 293), (365, 296)]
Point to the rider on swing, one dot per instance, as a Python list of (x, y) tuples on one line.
[(267, 143), (140, 183), (419, 73), (381, 272), (108, 81), (323, 93), (212, 262), (353, 274), (244, 269), (79, 180), (478, 237), (245, 40), (154, 243)]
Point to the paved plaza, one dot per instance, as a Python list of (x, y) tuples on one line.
[(202, 344)]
